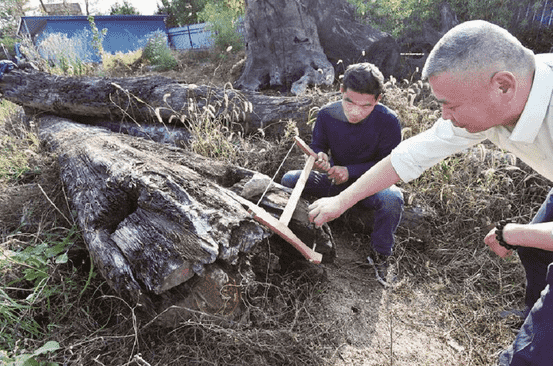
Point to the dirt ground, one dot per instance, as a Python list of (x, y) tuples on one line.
[(382, 326)]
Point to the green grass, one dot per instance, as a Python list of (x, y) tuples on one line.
[(35, 277), (32, 269), (38, 291), (16, 144)]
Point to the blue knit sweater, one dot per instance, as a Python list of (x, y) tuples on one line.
[(356, 146)]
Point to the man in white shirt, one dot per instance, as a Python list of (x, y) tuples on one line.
[(490, 87)]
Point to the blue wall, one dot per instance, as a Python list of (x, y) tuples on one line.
[(125, 33), (128, 33)]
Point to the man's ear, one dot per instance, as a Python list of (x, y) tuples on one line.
[(504, 81), (379, 98), (342, 90)]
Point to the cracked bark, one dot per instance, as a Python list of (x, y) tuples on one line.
[(292, 44), (122, 104), (159, 221)]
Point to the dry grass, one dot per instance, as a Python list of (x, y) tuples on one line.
[(450, 290)]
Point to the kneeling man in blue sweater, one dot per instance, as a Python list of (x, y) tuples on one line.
[(349, 137)]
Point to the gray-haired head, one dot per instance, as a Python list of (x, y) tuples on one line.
[(478, 46)]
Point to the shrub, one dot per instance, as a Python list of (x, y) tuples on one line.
[(223, 21), (97, 36), (158, 53), (67, 55)]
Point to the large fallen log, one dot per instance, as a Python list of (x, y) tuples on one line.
[(164, 225), (150, 99)]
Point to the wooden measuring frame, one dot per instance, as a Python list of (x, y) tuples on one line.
[(280, 226)]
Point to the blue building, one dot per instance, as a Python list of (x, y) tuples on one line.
[(125, 33)]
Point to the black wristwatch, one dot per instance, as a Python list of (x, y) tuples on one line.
[(499, 235)]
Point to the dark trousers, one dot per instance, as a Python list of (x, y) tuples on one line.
[(535, 261), (533, 345)]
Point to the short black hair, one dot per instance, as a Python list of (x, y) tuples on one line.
[(364, 78)]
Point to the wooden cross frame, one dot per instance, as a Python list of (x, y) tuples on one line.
[(280, 226)]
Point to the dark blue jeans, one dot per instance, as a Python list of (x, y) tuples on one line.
[(535, 261), (533, 345), (387, 206)]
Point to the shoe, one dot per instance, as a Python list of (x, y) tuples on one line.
[(380, 263)]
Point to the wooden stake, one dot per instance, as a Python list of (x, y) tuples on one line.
[(304, 147), (296, 193)]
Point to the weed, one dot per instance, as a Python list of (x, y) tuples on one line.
[(31, 271), (211, 121), (97, 36), (15, 150), (312, 117), (66, 55), (29, 359), (158, 53)]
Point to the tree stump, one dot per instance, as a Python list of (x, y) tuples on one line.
[(283, 50)]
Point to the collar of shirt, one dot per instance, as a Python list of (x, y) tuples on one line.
[(536, 107)]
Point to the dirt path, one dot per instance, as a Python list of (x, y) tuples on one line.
[(378, 326)]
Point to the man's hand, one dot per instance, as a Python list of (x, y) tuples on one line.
[(325, 210), (339, 174), (494, 245), (322, 163)]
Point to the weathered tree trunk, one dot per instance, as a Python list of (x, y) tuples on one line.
[(283, 50), (163, 225), (139, 100), (344, 38), (291, 44)]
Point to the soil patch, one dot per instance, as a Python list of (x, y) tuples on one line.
[(377, 325)]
